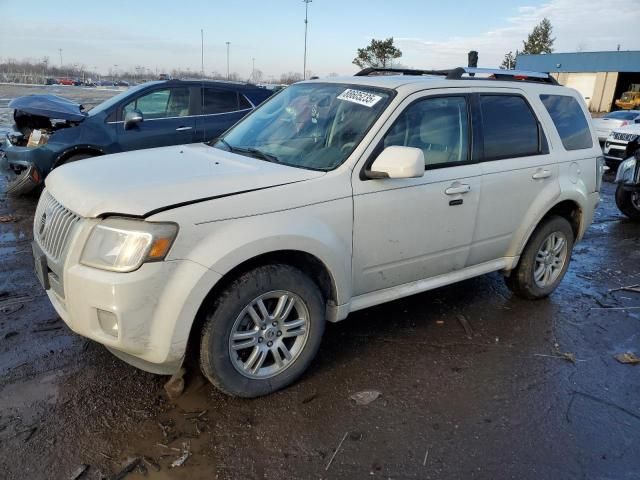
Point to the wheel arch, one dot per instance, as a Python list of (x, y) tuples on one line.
[(77, 150), (568, 208), (304, 261)]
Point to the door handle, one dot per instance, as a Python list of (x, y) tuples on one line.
[(458, 189), (541, 174), (182, 129)]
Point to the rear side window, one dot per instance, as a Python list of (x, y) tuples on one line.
[(219, 101), (509, 127), (569, 120)]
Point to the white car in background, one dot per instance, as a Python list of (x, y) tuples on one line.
[(620, 118), (616, 145)]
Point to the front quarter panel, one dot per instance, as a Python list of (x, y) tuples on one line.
[(314, 217)]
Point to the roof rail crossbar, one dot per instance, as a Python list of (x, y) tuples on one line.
[(457, 74), (404, 71), (499, 74)]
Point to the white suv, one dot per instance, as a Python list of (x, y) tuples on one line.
[(333, 196)]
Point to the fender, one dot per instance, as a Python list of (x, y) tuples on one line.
[(222, 246)]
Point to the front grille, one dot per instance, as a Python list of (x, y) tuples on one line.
[(625, 137), (53, 225)]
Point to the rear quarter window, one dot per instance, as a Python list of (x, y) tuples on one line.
[(569, 120)]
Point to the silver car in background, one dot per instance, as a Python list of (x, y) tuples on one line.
[(620, 118)]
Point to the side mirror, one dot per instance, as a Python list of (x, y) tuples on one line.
[(132, 118), (398, 162), (637, 120)]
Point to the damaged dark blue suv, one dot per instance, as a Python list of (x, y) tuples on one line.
[(50, 131)]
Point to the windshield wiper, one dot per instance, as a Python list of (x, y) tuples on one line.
[(258, 153), (226, 144)]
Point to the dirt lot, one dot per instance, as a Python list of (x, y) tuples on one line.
[(532, 391)]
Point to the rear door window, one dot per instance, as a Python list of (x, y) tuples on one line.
[(569, 120), (510, 129), (219, 101)]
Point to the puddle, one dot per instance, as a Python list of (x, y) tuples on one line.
[(7, 250), (12, 237)]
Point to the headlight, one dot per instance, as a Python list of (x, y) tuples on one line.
[(626, 170), (122, 245)]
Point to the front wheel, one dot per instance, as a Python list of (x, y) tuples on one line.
[(628, 202), (544, 260), (262, 332)]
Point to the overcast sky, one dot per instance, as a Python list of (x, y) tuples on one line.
[(164, 34)]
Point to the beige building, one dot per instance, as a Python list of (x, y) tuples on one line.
[(601, 77)]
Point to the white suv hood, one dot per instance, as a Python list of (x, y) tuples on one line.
[(633, 128), (139, 182)]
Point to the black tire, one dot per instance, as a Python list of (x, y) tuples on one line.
[(522, 281), (215, 356), (625, 202)]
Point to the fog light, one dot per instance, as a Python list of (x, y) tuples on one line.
[(108, 322)]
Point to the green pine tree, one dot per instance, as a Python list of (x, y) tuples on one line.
[(540, 39), (379, 54)]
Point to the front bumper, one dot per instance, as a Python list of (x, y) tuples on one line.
[(615, 151), (154, 306), (25, 168)]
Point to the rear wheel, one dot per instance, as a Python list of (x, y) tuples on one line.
[(262, 332), (544, 260), (628, 202)]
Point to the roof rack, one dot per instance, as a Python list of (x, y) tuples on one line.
[(457, 74), (404, 71)]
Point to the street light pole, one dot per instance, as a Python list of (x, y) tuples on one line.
[(60, 50), (228, 44), (202, 53), (253, 68), (306, 25)]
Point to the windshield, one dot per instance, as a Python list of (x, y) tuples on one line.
[(107, 104), (620, 115), (308, 125)]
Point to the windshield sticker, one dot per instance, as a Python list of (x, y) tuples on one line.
[(361, 98)]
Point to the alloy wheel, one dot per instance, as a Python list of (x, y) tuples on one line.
[(269, 334), (550, 259)]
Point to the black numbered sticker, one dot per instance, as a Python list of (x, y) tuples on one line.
[(361, 98)]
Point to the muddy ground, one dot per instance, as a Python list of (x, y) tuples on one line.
[(532, 392)]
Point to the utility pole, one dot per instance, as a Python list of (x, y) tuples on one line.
[(228, 75), (306, 26), (253, 68), (202, 53), (60, 50)]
